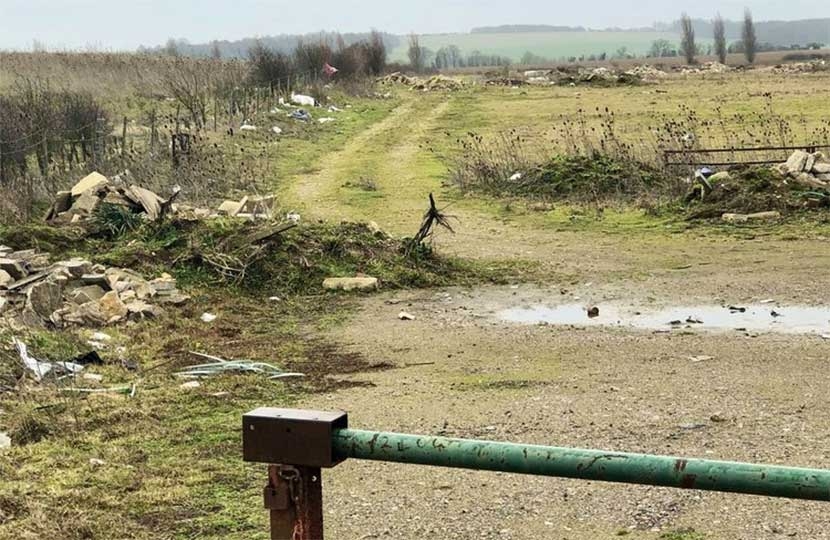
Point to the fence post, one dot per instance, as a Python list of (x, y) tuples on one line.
[(124, 137)]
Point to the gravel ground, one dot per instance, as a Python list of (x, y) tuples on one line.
[(759, 398)]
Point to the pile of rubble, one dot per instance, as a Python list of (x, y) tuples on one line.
[(249, 207), (77, 292), (436, 82), (708, 67), (810, 170), (647, 72), (80, 203), (812, 66)]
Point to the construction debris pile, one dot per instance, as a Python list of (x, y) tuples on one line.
[(77, 292), (647, 72), (812, 66), (80, 203), (249, 207), (707, 67), (577, 75), (811, 170), (436, 82)]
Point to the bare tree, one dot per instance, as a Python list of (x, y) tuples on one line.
[(750, 42), (171, 48), (687, 41), (189, 82), (416, 53), (215, 51), (719, 33), (376, 53)]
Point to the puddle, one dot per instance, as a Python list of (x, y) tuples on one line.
[(755, 318)]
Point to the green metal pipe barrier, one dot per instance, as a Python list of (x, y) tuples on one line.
[(727, 476)]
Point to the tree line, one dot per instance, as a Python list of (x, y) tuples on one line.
[(449, 57), (748, 44)]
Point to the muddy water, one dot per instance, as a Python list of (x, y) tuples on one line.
[(751, 318)]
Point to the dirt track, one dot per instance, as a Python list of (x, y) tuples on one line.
[(601, 388)]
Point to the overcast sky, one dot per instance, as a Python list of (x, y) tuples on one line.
[(126, 24)]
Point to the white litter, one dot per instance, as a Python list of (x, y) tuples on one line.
[(276, 129), (5, 441), (768, 301), (100, 336), (39, 369), (190, 385), (247, 127), (332, 108), (516, 176), (293, 217), (404, 316), (300, 99), (326, 120), (275, 299), (95, 462), (93, 377), (208, 317)]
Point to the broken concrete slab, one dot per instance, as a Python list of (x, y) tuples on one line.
[(147, 199), (44, 298), (139, 309), (85, 204), (112, 308), (14, 268), (821, 168), (76, 268), (757, 216), (351, 284), (796, 161), (91, 182), (88, 293), (5, 279)]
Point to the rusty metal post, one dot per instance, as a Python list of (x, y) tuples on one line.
[(294, 497)]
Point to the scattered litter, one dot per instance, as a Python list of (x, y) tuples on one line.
[(208, 317), (737, 309), (404, 316), (693, 320), (768, 301), (94, 377), (247, 127), (717, 418), (691, 426), (325, 120), (221, 366), (333, 108), (275, 299), (301, 114), (101, 336), (516, 176), (293, 217), (5, 441), (95, 462), (774, 313), (701, 358), (189, 385), (90, 358), (300, 99), (276, 130), (39, 369)]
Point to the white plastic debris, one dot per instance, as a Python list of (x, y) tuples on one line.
[(221, 366), (247, 127), (5, 441), (326, 120), (300, 99), (190, 385), (275, 299), (516, 176), (208, 317), (101, 336), (293, 217), (95, 462), (333, 108), (276, 129), (404, 316), (39, 369), (95, 377)]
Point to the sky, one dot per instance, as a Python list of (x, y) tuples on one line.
[(124, 25)]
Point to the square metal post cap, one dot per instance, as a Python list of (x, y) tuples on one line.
[(291, 436)]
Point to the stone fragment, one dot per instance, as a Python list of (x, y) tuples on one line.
[(350, 284), (91, 182)]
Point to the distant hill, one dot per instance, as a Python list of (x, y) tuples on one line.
[(524, 28)]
